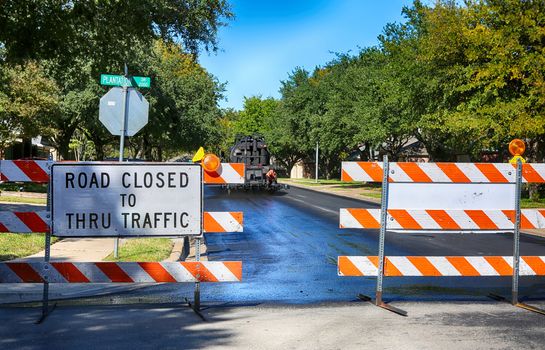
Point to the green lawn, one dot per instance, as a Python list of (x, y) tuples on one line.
[(377, 195), (26, 200), (143, 249), (336, 182), (14, 246), (373, 190), (526, 203), (26, 187)]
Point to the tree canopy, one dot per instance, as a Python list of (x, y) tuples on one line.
[(52, 54), (462, 78)]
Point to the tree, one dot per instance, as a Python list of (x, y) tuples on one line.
[(71, 30), (257, 116), (291, 139), (184, 111), (484, 63), (29, 100), (70, 38)]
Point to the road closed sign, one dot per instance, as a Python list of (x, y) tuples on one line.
[(126, 199)]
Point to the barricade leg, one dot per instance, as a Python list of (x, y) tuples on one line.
[(383, 222), (47, 256), (45, 296), (197, 292), (185, 249), (516, 247)]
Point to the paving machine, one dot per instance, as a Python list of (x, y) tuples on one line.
[(253, 152)]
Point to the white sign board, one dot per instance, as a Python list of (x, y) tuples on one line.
[(126, 199), (445, 196), (451, 196)]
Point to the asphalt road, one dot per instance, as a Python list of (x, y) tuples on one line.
[(290, 245), (289, 248), (346, 326)]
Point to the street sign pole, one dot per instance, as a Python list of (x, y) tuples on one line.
[(124, 123), (115, 107), (122, 145)]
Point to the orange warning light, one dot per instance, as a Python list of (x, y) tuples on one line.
[(210, 162), (517, 147)]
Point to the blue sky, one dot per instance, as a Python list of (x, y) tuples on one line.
[(269, 38)]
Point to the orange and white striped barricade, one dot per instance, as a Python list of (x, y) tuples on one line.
[(25, 170), (227, 173), (433, 219), (416, 266), (39, 221), (442, 172), (121, 272), (38, 171), (95, 272), (487, 198)]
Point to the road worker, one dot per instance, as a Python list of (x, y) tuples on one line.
[(271, 177)]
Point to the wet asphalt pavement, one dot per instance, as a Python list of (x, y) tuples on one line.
[(290, 245)]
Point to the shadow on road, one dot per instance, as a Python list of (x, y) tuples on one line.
[(112, 327)]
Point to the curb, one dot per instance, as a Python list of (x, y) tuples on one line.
[(311, 188), (33, 292)]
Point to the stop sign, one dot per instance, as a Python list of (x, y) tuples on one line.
[(111, 111)]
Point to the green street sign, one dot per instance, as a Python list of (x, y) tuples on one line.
[(120, 80)]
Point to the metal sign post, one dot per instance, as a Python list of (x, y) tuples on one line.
[(117, 120), (197, 292), (382, 238), (47, 256), (516, 236), (383, 222), (122, 145), (516, 247)]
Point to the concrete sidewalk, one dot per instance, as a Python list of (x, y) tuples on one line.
[(361, 194), (76, 249)]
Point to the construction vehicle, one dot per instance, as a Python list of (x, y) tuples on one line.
[(253, 152)]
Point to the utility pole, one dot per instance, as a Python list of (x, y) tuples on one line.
[(316, 180)]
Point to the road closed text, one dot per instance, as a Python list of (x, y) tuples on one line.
[(127, 199), (128, 180)]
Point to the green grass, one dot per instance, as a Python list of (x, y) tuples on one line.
[(377, 195), (27, 200), (14, 246), (527, 203), (143, 249), (335, 182), (25, 187)]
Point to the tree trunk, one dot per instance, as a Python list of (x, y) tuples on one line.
[(147, 148), (160, 154), (99, 149), (63, 141)]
